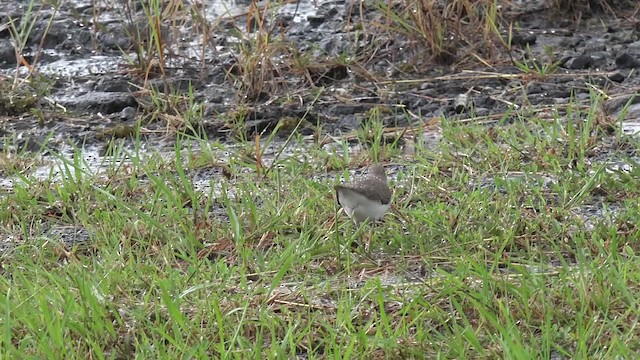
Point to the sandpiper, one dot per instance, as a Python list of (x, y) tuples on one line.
[(366, 198)]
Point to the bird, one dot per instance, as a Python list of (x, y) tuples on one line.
[(366, 198)]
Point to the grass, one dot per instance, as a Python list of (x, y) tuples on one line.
[(511, 240), (516, 241)]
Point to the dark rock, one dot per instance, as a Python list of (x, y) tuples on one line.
[(484, 101), (427, 85), (175, 84), (599, 59), (534, 88), (616, 103), (556, 93), (580, 62), (417, 103), (432, 111), (7, 53), (633, 47), (211, 128), (306, 131), (315, 20), (617, 77), (329, 45), (30, 142), (70, 236), (79, 41), (113, 84), (523, 39), (283, 21), (571, 42), (128, 114), (564, 60), (256, 96), (332, 11), (627, 36), (326, 76), (396, 121), (632, 113), (583, 96), (104, 102), (215, 95), (537, 99), (260, 126), (346, 109), (214, 109), (216, 99), (114, 38), (598, 80), (349, 122), (613, 28), (480, 111), (565, 23), (626, 61), (231, 66), (54, 33)]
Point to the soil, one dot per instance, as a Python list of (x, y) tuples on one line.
[(85, 86)]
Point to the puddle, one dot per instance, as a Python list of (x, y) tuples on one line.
[(207, 179), (631, 127), (92, 65)]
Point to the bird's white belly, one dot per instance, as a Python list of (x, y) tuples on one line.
[(360, 207)]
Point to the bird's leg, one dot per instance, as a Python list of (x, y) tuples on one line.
[(366, 238), (363, 236)]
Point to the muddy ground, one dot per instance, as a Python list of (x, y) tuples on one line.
[(88, 85)]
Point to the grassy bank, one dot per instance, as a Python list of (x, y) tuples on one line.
[(516, 240), (512, 237)]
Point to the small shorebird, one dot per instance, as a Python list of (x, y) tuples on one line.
[(368, 197)]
